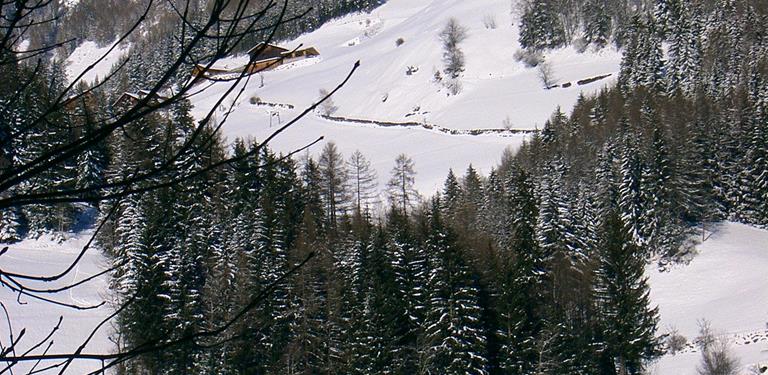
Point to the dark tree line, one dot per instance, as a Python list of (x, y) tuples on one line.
[(557, 23)]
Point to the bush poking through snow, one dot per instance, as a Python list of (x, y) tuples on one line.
[(507, 123), (453, 85), (489, 21), (716, 356), (399, 42), (437, 77), (328, 107), (530, 58), (675, 341), (254, 100)]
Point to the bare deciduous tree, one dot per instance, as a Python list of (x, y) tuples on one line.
[(400, 187), (716, 355), (328, 108), (546, 75)]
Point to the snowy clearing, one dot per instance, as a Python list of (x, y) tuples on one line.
[(46, 257), (726, 284), (89, 52)]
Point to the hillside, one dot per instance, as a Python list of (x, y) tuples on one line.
[(564, 261), (496, 88)]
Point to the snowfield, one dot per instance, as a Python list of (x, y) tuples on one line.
[(47, 257), (88, 53), (726, 284), (496, 88)]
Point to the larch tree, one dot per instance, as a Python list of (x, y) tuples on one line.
[(400, 188), (363, 181), (335, 179)]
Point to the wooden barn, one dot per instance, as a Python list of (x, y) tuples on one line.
[(263, 56), (79, 103), (265, 52), (285, 57), (129, 99), (202, 70)]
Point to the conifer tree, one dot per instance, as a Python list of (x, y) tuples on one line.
[(657, 190), (630, 196), (540, 27), (622, 295), (454, 340), (408, 263), (522, 298), (597, 24), (683, 68), (453, 58), (451, 196), (10, 225), (334, 179)]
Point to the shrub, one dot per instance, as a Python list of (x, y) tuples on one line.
[(675, 342), (399, 42), (507, 123), (254, 100), (547, 75), (489, 21), (530, 58), (716, 355)]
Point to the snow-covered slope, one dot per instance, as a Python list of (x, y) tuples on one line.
[(46, 257), (495, 87), (726, 283), (88, 53)]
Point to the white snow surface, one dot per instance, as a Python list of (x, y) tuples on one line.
[(47, 257), (726, 284), (495, 87), (88, 53)]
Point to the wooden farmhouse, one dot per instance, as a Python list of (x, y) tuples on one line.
[(78, 103), (201, 69), (129, 99), (82, 108), (263, 57)]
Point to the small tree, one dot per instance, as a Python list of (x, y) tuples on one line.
[(327, 107), (453, 58), (400, 189), (716, 355), (362, 180), (546, 75)]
